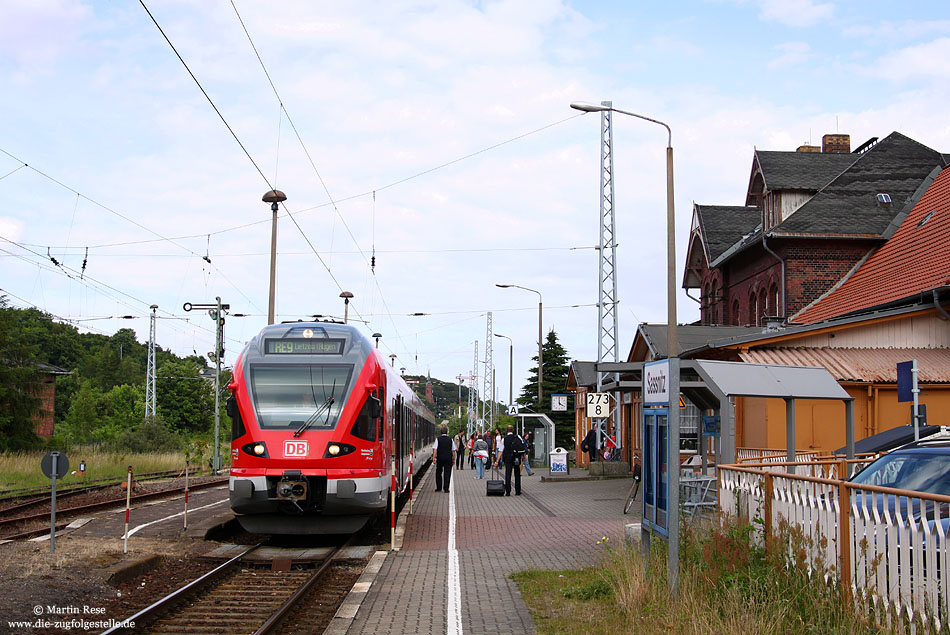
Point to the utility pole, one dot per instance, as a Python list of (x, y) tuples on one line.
[(473, 393)]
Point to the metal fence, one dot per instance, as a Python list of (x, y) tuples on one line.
[(887, 548)]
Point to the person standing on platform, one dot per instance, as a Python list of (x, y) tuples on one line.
[(589, 445), (471, 451), (512, 452), (480, 452), (524, 457), (443, 455), (460, 455)]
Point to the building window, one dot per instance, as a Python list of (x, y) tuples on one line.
[(773, 293), (763, 306), (753, 310), (735, 313)]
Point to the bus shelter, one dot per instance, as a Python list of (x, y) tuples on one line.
[(712, 384)]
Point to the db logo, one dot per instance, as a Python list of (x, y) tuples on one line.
[(295, 449)]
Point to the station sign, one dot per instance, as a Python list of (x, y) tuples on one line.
[(598, 405), (656, 382)]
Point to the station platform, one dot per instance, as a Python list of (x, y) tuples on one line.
[(451, 574)]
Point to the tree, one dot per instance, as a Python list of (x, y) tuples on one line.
[(19, 377), (185, 400), (554, 381)]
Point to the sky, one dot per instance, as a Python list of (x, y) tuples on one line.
[(436, 135)]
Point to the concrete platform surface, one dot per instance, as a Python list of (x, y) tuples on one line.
[(451, 575)]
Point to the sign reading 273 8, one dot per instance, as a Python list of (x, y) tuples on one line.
[(598, 405)]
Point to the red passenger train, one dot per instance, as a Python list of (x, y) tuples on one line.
[(319, 424)]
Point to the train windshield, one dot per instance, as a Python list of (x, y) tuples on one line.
[(301, 396)]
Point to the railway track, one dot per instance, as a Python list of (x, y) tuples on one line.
[(41, 494), (236, 597), (11, 524)]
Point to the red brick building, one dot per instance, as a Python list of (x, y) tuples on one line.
[(46, 391), (810, 218)]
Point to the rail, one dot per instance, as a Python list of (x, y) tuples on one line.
[(887, 548)]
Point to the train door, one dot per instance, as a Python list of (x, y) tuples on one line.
[(399, 413)]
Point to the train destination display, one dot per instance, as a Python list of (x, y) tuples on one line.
[(303, 347)]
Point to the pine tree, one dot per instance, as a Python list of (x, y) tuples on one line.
[(554, 381)]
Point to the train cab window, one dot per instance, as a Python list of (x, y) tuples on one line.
[(237, 424), (365, 425), (288, 396)]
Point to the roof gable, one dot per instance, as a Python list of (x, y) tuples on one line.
[(722, 226), (915, 260)]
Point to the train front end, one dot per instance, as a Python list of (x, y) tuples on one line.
[(307, 449)]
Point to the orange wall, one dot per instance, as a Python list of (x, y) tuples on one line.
[(820, 424)]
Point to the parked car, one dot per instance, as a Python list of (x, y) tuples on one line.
[(920, 466)]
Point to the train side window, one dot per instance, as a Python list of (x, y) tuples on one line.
[(365, 425), (237, 424)]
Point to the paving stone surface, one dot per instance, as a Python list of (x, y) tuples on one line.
[(552, 526)]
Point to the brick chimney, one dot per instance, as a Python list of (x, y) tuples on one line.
[(837, 143)]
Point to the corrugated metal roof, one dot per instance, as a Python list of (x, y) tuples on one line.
[(860, 364)]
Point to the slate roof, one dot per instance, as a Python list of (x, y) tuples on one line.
[(801, 170), (848, 204), (916, 259), (691, 336), (723, 226)]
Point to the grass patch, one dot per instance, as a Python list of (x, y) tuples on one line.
[(728, 584), (576, 602), (22, 469)]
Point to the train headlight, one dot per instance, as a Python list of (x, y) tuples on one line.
[(257, 449), (338, 449)]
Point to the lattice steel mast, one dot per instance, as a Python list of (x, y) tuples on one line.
[(150, 370), (472, 392), (607, 272), (489, 374)]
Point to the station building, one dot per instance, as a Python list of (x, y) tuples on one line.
[(839, 259)]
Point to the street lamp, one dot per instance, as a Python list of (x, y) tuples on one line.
[(274, 197), (392, 360), (540, 337), (672, 343), (511, 356), (346, 295), (376, 336)]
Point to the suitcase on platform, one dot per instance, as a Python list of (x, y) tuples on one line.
[(494, 487)]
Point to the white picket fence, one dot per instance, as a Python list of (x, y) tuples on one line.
[(877, 542)]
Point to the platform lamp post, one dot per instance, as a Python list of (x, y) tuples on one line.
[(376, 337), (275, 198), (392, 360), (511, 366), (672, 345), (540, 335), (346, 295)]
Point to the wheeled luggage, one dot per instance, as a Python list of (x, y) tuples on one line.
[(494, 486)]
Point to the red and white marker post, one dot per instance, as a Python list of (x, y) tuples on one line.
[(410, 481), (186, 495), (128, 504)]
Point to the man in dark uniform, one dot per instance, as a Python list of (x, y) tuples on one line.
[(512, 450), (443, 455)]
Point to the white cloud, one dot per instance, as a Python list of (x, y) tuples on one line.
[(921, 61), (797, 13), (791, 54)]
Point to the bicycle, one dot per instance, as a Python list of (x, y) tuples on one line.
[(635, 488)]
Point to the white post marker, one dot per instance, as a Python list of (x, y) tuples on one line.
[(128, 503), (186, 495)]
